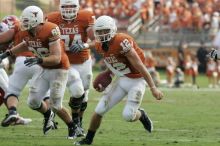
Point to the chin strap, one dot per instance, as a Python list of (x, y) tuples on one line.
[(105, 46)]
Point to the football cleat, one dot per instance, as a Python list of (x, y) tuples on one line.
[(49, 123), (72, 133), (84, 141), (80, 131), (22, 121), (146, 121), (9, 119)]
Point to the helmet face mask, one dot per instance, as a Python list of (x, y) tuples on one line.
[(31, 17), (103, 35), (104, 29), (69, 9)]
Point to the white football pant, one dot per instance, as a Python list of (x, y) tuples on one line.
[(79, 79), (132, 88)]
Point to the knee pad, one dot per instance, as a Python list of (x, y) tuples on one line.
[(75, 103), (83, 106), (34, 103), (129, 114)]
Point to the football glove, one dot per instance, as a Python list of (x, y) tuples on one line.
[(77, 47), (5, 55), (30, 61)]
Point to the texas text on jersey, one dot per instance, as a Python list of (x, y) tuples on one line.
[(74, 32), (39, 44), (115, 58)]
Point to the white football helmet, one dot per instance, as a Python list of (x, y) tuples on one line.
[(104, 28), (69, 9), (3, 27), (31, 17)]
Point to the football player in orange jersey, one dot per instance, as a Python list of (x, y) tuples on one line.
[(4, 81), (126, 60), (43, 39), (76, 27)]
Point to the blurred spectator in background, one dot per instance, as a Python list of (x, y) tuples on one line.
[(211, 73), (201, 55), (150, 63), (188, 70), (181, 55), (218, 70), (170, 71), (194, 69), (179, 78), (214, 27)]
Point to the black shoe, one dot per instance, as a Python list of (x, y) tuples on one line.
[(145, 120), (72, 133), (84, 141), (9, 119), (49, 123)]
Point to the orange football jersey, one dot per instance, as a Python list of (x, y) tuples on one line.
[(115, 56), (74, 32), (39, 44), (17, 40)]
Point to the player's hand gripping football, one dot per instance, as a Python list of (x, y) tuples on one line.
[(156, 93), (102, 80)]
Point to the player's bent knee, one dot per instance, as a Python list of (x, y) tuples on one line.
[(75, 103), (56, 107), (34, 103), (101, 108), (129, 114), (56, 104), (76, 90)]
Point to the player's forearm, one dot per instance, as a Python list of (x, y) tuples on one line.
[(51, 60), (19, 48), (143, 70), (7, 36)]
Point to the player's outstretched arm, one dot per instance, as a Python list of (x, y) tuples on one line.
[(137, 63)]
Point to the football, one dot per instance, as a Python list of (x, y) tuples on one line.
[(102, 80)]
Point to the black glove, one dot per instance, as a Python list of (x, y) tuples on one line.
[(30, 61), (5, 55), (77, 47)]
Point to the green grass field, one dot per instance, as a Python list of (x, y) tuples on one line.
[(185, 117)]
